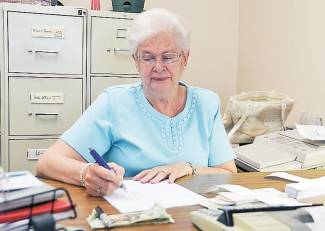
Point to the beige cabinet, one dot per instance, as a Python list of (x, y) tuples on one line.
[(109, 58), (43, 81), (109, 50), (25, 153), (47, 106), (45, 43)]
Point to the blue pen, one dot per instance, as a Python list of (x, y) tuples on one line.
[(102, 162)]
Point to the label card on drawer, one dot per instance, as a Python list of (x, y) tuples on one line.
[(121, 33), (47, 97), (48, 32), (34, 153)]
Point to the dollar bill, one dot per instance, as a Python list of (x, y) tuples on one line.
[(155, 215)]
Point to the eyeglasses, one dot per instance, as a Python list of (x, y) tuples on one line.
[(165, 58)]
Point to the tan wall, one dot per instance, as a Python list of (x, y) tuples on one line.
[(282, 47), (214, 26)]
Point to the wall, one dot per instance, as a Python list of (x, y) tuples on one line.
[(214, 26), (282, 47)]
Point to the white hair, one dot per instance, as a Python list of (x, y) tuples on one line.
[(156, 20)]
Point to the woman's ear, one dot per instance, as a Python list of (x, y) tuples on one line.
[(136, 62), (186, 56)]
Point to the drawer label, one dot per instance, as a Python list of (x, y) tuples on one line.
[(121, 33), (34, 153), (48, 32), (47, 97)]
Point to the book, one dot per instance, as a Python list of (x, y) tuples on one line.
[(23, 197), (23, 213)]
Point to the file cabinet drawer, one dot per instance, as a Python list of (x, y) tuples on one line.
[(43, 106), (41, 43), (25, 153), (109, 51), (98, 84)]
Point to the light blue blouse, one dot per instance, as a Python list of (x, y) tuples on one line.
[(124, 128)]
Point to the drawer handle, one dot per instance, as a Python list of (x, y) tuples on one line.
[(119, 50), (44, 113), (43, 51)]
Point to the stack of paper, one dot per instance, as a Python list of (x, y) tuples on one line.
[(311, 191), (237, 194)]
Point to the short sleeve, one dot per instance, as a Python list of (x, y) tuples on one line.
[(93, 129), (220, 148)]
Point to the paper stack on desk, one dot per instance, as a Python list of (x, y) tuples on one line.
[(237, 194), (310, 191)]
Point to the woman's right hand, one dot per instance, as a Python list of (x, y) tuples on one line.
[(100, 181)]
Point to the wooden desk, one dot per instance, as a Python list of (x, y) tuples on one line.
[(181, 215)]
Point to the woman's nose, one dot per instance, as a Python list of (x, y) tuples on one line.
[(159, 66)]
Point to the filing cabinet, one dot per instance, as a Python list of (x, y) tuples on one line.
[(54, 63), (109, 58), (44, 80)]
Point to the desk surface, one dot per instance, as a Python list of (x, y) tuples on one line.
[(181, 215)]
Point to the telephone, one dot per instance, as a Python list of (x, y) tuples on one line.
[(280, 151), (206, 220)]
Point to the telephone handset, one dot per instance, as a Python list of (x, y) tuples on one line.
[(281, 151)]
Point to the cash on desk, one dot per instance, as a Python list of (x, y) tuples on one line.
[(155, 215)]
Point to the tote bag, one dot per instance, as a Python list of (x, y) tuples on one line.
[(250, 114)]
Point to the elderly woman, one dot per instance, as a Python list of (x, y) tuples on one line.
[(158, 129)]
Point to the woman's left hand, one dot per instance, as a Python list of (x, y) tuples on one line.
[(170, 172)]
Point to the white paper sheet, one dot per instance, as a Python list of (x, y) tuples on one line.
[(311, 132), (269, 196), (18, 180), (286, 176), (227, 188), (238, 197), (143, 196)]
